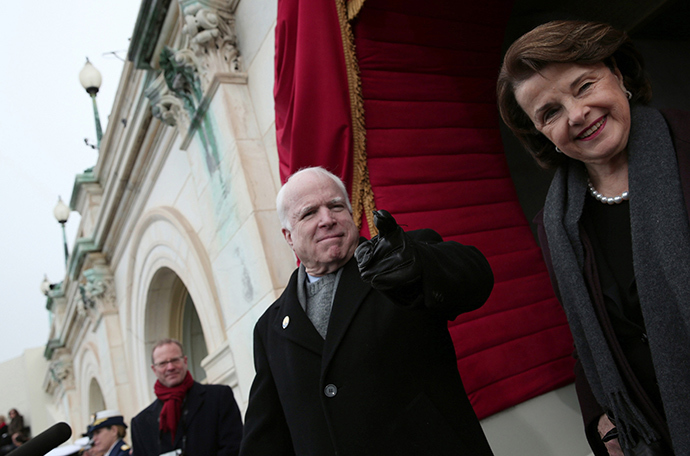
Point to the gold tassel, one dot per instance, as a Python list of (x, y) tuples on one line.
[(353, 7), (362, 193)]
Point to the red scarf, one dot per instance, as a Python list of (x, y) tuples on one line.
[(172, 398)]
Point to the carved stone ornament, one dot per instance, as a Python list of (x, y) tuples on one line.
[(98, 290), (179, 72), (210, 48), (165, 105), (212, 39), (61, 371)]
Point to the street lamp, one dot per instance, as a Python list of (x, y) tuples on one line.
[(45, 285), (61, 213), (90, 79)]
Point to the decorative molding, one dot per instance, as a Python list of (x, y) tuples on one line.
[(60, 372), (216, 81), (225, 5), (210, 28), (97, 288), (82, 247), (147, 30), (220, 368), (181, 77), (88, 181), (165, 106), (52, 345), (177, 96)]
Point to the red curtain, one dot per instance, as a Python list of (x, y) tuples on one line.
[(435, 160), (312, 103)]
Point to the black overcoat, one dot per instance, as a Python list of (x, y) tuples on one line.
[(385, 380), (210, 425)]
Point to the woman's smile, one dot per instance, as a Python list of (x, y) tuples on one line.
[(593, 131)]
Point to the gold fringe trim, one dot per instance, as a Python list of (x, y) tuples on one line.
[(362, 194), (353, 7)]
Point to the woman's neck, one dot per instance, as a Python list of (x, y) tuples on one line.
[(610, 179)]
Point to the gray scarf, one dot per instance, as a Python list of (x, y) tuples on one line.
[(316, 298), (661, 259)]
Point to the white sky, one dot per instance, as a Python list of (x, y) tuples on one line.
[(45, 115)]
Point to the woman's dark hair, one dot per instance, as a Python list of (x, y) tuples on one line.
[(564, 42)]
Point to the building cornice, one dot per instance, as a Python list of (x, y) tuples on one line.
[(81, 181), (147, 29), (82, 247)]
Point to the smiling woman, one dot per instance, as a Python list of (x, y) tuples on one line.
[(583, 110), (573, 94)]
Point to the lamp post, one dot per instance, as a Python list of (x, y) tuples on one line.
[(90, 79), (61, 213), (45, 285)]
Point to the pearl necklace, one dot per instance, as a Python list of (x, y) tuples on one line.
[(607, 199)]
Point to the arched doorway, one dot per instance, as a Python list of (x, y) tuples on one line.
[(96, 400), (169, 272), (171, 313), (193, 340)]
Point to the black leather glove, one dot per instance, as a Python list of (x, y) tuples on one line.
[(388, 260)]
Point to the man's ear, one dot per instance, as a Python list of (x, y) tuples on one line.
[(288, 236)]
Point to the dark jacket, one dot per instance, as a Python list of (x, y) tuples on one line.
[(210, 425), (120, 449), (16, 425), (385, 380), (679, 125)]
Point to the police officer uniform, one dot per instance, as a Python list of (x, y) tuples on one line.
[(108, 418)]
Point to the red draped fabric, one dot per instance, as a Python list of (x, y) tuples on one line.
[(435, 160), (312, 104)]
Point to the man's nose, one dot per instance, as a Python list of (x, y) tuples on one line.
[(326, 217)]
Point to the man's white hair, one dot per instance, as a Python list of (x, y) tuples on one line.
[(317, 170)]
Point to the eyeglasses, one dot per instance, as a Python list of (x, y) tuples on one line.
[(174, 361)]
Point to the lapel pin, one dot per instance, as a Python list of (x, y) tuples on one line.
[(286, 321)]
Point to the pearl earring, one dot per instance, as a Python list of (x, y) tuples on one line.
[(628, 94), (558, 150)]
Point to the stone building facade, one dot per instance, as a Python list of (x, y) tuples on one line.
[(179, 236)]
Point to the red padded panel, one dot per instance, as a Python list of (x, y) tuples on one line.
[(435, 160)]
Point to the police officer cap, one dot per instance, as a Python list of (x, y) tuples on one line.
[(104, 419)]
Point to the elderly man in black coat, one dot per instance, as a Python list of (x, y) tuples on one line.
[(355, 357)]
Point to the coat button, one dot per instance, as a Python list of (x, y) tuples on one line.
[(286, 322), (330, 390)]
